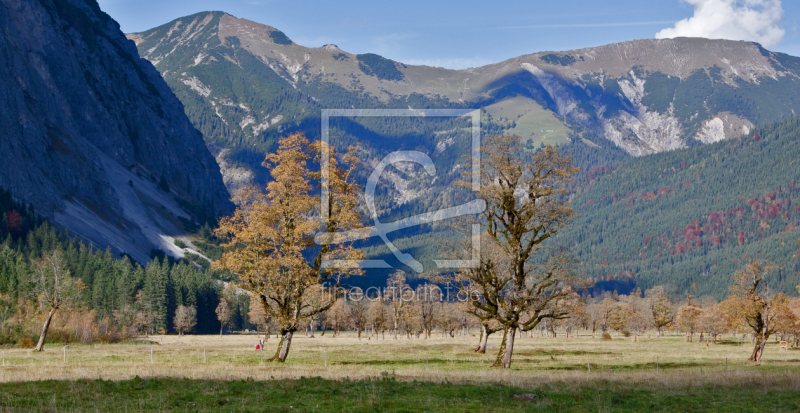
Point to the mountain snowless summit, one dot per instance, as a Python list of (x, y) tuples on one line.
[(92, 136), (644, 96)]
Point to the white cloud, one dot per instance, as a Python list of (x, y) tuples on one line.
[(454, 63), (755, 20), (390, 43)]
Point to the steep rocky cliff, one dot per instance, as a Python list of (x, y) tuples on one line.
[(92, 136)]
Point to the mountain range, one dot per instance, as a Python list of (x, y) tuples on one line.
[(622, 111), (243, 82), (686, 145)]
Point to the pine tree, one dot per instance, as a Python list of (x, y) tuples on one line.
[(156, 295)]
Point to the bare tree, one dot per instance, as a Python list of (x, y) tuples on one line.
[(453, 318), (143, 316), (54, 287), (489, 326), (185, 318), (604, 313), (786, 320), (339, 316), (399, 297), (142, 321), (223, 314), (518, 282), (378, 317), (578, 315), (638, 318), (358, 315), (428, 300)]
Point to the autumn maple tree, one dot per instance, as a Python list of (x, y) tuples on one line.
[(270, 237), (660, 309), (54, 288), (518, 282), (752, 302), (687, 318)]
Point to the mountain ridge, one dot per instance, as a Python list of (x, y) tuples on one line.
[(600, 105), (633, 93)]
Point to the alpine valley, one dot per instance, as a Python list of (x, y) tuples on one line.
[(673, 182)]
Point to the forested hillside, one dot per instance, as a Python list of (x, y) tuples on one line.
[(691, 217), (120, 296)]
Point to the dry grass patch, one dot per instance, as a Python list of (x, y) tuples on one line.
[(667, 362)]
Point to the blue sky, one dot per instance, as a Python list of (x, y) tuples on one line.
[(473, 33)]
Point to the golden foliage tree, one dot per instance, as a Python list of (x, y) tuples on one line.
[(661, 312), (271, 234), (605, 314), (54, 288), (752, 302), (223, 314), (687, 318), (258, 317), (714, 321)]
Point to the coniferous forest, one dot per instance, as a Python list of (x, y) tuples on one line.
[(120, 297)]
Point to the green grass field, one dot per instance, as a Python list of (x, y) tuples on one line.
[(320, 395), (533, 122), (212, 373)]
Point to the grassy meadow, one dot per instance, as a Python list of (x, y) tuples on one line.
[(212, 373), (532, 122)]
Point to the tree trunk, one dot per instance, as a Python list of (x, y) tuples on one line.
[(283, 347), (758, 351), (313, 327), (40, 346), (506, 349), (359, 333), (484, 338), (220, 330)]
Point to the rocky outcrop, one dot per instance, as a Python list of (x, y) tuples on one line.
[(92, 136)]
